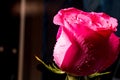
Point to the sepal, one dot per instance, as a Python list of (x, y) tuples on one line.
[(52, 67), (97, 74)]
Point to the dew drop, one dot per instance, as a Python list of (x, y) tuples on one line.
[(88, 65), (86, 61), (95, 70), (92, 58), (90, 46), (78, 68)]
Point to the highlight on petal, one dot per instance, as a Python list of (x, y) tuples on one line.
[(62, 44)]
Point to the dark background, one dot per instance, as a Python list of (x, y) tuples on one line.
[(9, 39)]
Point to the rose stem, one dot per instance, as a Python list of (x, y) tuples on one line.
[(70, 77)]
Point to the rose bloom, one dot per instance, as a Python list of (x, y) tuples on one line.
[(86, 42)]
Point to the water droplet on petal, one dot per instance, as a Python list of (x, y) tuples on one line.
[(95, 70), (92, 58), (86, 61), (88, 65), (78, 68)]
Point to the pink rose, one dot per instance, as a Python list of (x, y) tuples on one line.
[(86, 42)]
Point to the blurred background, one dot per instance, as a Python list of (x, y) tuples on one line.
[(27, 29)]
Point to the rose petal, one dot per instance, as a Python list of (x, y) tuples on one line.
[(61, 47)]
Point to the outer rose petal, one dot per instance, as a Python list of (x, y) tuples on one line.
[(113, 47), (62, 45)]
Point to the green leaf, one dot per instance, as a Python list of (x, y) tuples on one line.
[(97, 74), (52, 67)]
